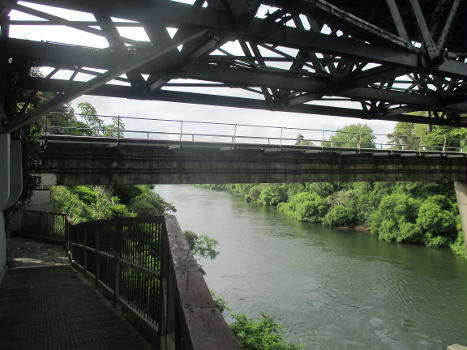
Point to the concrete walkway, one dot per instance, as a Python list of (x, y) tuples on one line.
[(44, 304)]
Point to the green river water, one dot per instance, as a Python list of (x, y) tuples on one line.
[(331, 288)]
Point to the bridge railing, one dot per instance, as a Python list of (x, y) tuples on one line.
[(234, 133), (145, 267), (41, 225)]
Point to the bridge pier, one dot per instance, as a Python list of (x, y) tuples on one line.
[(461, 194), (11, 185)]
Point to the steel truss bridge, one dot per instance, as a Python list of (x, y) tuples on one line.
[(383, 59)]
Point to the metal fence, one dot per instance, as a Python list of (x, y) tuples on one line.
[(123, 257), (145, 266), (134, 128), (48, 226)]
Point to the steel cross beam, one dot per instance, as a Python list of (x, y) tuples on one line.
[(123, 67), (391, 60)]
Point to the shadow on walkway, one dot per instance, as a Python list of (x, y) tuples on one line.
[(44, 304)]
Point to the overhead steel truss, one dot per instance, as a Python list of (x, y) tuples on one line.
[(399, 60)]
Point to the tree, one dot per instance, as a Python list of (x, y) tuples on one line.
[(395, 219), (404, 137), (353, 136), (273, 194), (302, 142), (437, 220), (89, 114), (414, 136)]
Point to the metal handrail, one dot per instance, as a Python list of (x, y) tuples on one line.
[(180, 132), (144, 264)]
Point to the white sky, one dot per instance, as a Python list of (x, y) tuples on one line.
[(171, 110)]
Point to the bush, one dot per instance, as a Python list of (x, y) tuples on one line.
[(264, 334), (437, 221), (341, 215)]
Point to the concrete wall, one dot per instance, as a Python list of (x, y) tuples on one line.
[(11, 185), (80, 163), (4, 194)]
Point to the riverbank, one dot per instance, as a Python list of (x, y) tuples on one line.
[(422, 213)]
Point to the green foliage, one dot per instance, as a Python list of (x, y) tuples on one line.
[(352, 136), (273, 194), (96, 126), (414, 136), (147, 202), (85, 203), (341, 215), (220, 302), (437, 220), (396, 214), (263, 334), (201, 245), (306, 206)]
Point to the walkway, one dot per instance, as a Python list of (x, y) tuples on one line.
[(44, 304)]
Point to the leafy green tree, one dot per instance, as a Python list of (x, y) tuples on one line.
[(353, 136), (437, 220), (413, 136), (149, 203), (273, 194), (89, 114), (395, 219), (341, 215), (405, 137), (307, 206)]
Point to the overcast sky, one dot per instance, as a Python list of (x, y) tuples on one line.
[(170, 110)]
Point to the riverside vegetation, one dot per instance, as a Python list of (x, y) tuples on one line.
[(404, 212)]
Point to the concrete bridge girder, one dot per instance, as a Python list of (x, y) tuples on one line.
[(79, 163)]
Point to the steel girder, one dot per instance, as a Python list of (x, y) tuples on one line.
[(393, 58)]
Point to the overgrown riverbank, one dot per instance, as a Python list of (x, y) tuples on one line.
[(403, 212)]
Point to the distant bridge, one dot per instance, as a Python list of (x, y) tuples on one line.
[(73, 160)]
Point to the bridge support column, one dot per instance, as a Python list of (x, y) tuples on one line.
[(11, 185), (461, 194)]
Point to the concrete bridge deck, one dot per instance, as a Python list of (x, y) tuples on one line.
[(78, 160), (44, 304)]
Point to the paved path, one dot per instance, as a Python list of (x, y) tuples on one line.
[(44, 304)]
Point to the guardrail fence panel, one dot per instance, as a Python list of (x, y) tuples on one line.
[(146, 267)]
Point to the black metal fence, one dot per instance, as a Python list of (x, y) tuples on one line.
[(44, 225), (145, 266), (123, 257)]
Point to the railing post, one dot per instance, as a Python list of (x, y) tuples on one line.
[(181, 132), (444, 144), (167, 297), (98, 268), (68, 237), (117, 267), (118, 128), (235, 134), (46, 127), (280, 142), (85, 229), (360, 142)]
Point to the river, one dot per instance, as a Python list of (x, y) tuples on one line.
[(331, 288)]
